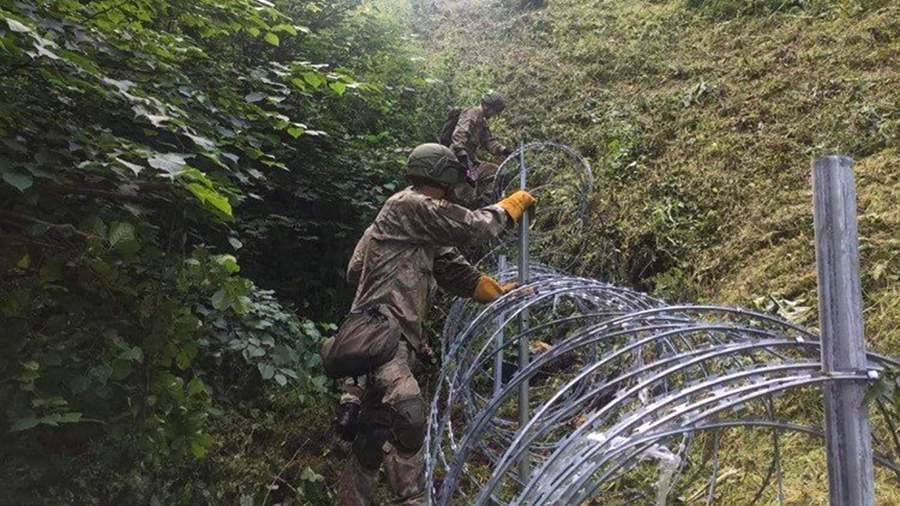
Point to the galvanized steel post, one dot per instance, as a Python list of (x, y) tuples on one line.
[(523, 343), (847, 430), (498, 340)]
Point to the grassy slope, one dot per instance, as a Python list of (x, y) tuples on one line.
[(701, 129)]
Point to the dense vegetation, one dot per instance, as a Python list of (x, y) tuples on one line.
[(700, 119), (181, 183)]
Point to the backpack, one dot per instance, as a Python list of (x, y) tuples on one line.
[(445, 136), (364, 341)]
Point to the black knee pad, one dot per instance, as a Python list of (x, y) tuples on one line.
[(369, 445), (409, 426)]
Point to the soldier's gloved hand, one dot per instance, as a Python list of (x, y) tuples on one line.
[(489, 290), (346, 421), (516, 204)]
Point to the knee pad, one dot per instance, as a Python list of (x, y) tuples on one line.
[(408, 429), (369, 446)]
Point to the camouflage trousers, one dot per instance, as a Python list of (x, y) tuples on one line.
[(392, 433), (482, 193)]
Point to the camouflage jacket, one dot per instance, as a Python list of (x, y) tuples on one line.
[(410, 247), (472, 132)]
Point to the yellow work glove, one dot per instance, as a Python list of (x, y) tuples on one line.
[(488, 289), (516, 204)]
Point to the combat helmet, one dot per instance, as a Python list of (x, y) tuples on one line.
[(436, 164), (494, 100)]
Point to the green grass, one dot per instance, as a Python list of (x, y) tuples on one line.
[(700, 119)]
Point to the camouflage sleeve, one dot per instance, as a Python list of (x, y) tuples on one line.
[(490, 143), (454, 274), (442, 223), (459, 141), (354, 268)]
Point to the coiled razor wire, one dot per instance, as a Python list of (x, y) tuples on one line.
[(631, 399)]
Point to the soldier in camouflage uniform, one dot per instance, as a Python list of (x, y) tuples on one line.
[(472, 133), (410, 248)]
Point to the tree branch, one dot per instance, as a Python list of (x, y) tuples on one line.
[(65, 226)]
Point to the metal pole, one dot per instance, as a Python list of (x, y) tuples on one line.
[(498, 341), (523, 343), (847, 431)]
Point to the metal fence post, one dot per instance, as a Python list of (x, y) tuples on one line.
[(498, 341), (523, 343), (847, 431)]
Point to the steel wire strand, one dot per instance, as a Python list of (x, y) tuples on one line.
[(618, 378), (472, 350)]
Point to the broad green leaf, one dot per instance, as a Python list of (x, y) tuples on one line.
[(80, 384), (196, 386), (102, 372), (17, 26), (229, 262), (311, 476), (281, 379), (266, 370), (295, 132), (172, 163), (211, 197), (71, 417), (201, 141), (53, 270), (82, 61), (218, 299), (120, 232), (313, 79), (338, 87), (133, 353), (133, 167), (185, 356), (285, 28), (18, 179), (254, 97), (200, 445), (272, 39), (121, 369), (318, 382), (24, 424), (283, 356), (298, 83)]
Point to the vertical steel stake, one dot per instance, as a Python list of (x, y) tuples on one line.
[(847, 431), (498, 341), (523, 320)]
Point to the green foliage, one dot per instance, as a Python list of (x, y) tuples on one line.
[(161, 163), (886, 390)]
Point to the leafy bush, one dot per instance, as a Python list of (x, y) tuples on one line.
[(179, 180)]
